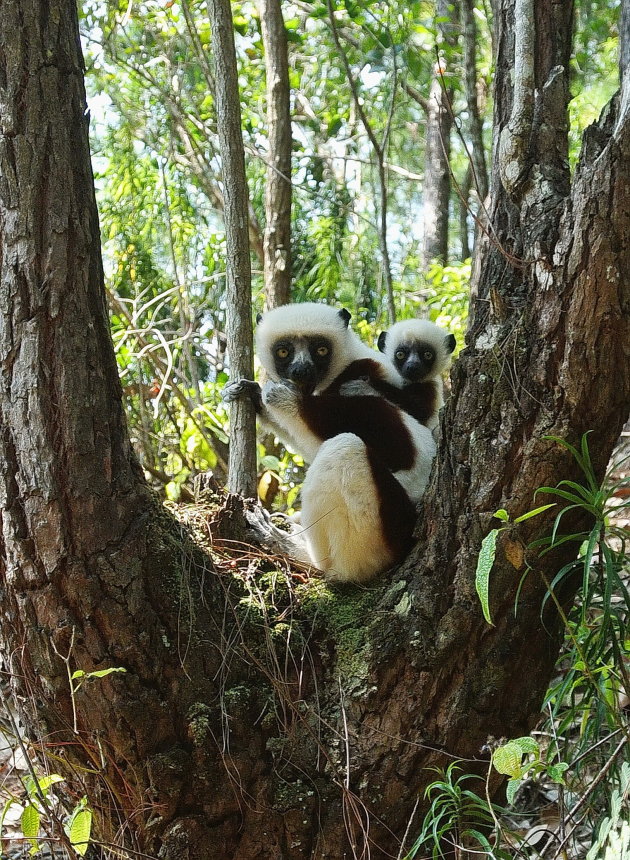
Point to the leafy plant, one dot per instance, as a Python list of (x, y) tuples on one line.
[(457, 816), (521, 759), (35, 807), (487, 553)]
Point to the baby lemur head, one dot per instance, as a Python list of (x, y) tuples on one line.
[(418, 349)]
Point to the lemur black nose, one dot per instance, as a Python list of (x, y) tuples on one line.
[(413, 370), (302, 372)]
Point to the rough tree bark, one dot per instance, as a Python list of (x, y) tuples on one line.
[(277, 238), (240, 339), (297, 727)]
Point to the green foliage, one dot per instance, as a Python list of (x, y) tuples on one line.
[(80, 675), (37, 805), (594, 66), (487, 553), (456, 817), (613, 837), (79, 827), (585, 699), (521, 759), (160, 188), (584, 735), (484, 566), (447, 297)]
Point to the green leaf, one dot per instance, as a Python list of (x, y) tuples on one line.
[(527, 745), (270, 463), (556, 772), (502, 514), (80, 828), (101, 673), (534, 513), (30, 826), (511, 789), (507, 759), (484, 566), (46, 781), (481, 839)]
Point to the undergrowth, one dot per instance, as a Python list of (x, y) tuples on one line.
[(569, 783)]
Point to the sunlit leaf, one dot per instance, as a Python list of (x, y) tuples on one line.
[(484, 566)]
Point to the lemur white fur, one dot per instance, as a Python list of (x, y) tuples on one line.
[(312, 318), (341, 513), (357, 512), (281, 402)]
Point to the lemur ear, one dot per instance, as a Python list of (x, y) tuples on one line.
[(258, 318), (382, 338), (346, 316), (449, 343)]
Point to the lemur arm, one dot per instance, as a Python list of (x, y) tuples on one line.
[(421, 400), (248, 388), (312, 419)]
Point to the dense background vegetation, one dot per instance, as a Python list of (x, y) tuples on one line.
[(150, 81)]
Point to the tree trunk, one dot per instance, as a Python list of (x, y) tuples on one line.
[(463, 206), (436, 190), (277, 240), (297, 726), (469, 46), (380, 153), (240, 340)]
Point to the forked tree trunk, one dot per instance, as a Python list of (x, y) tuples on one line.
[(298, 728)]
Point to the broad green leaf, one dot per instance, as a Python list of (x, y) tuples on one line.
[(29, 784), (30, 826), (527, 745), (511, 789), (80, 829), (507, 759), (101, 673), (484, 566), (270, 462), (46, 781), (502, 514)]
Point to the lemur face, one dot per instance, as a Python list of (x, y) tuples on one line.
[(304, 360), (418, 349), (414, 361)]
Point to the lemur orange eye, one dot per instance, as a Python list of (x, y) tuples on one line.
[(322, 350), (282, 352), (400, 354), (428, 355)]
